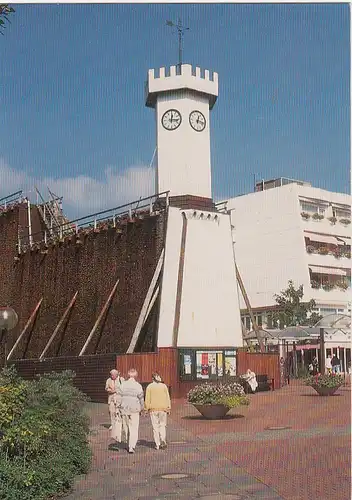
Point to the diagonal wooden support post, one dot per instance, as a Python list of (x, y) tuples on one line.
[(249, 308), (62, 319), (147, 300), (152, 302), (96, 324), (31, 319)]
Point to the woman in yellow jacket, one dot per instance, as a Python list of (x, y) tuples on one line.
[(157, 403)]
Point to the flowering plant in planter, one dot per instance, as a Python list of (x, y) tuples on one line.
[(333, 220), (229, 394), (328, 286), (345, 221), (329, 381), (315, 284), (310, 249), (323, 250), (342, 285), (345, 252), (305, 215)]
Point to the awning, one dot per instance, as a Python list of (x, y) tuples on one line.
[(342, 239), (323, 238), (307, 347), (328, 270)]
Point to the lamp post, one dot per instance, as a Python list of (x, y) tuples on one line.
[(8, 321)]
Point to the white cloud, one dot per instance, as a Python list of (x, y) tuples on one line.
[(83, 195)]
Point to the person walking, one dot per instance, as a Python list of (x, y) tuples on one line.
[(315, 366), (110, 386), (158, 404), (130, 401), (328, 365), (335, 363)]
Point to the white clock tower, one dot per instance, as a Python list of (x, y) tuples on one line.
[(182, 100)]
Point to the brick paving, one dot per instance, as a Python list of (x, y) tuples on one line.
[(238, 458)]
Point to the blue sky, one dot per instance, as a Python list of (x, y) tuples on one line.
[(72, 94)]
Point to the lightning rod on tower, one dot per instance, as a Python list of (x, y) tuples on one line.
[(180, 31)]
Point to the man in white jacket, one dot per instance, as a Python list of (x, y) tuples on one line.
[(130, 401), (111, 384), (251, 380)]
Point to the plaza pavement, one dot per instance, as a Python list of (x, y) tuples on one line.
[(289, 444)]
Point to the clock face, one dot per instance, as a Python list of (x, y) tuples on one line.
[(171, 119), (197, 121)]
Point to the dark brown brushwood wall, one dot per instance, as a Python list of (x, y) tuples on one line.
[(130, 254), (91, 372)]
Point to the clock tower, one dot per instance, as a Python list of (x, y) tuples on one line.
[(182, 98)]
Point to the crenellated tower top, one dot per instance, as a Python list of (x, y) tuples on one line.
[(185, 77)]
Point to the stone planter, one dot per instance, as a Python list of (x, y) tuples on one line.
[(212, 412), (325, 391)]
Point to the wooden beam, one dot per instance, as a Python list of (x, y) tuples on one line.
[(96, 324), (152, 302), (62, 319), (249, 308), (31, 319), (147, 300)]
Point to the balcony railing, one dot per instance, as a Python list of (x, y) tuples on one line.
[(317, 217), (337, 251), (110, 218), (9, 201), (328, 286)]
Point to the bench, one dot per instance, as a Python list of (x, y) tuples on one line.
[(264, 383)]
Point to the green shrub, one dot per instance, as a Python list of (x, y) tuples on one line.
[(44, 442), (302, 371)]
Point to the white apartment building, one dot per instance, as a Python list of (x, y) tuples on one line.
[(289, 230)]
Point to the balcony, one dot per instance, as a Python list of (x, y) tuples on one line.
[(321, 219), (333, 254), (330, 283)]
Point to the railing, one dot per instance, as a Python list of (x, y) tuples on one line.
[(107, 218), (341, 251), (221, 206), (10, 200)]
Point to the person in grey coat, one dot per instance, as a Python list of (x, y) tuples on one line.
[(130, 400)]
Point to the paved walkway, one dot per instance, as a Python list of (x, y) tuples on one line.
[(305, 457)]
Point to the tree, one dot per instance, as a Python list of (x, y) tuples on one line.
[(5, 10), (292, 311)]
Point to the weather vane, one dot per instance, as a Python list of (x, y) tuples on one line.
[(180, 31)]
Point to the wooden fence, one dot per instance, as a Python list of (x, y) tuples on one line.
[(260, 364), (91, 371)]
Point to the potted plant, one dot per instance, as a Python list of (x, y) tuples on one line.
[(325, 385), (310, 249), (305, 215), (342, 285), (323, 250), (328, 286), (214, 401), (317, 216), (333, 220), (315, 284), (345, 252), (345, 221)]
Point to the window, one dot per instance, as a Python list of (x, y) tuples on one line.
[(269, 320), (259, 320), (247, 323), (205, 364), (324, 311), (343, 213), (312, 208)]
